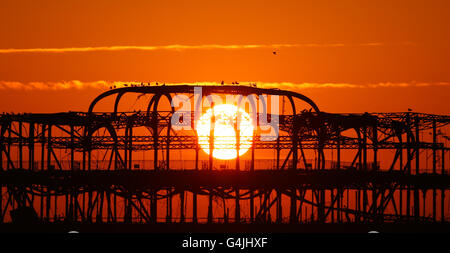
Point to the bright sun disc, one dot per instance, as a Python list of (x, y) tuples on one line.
[(224, 131)]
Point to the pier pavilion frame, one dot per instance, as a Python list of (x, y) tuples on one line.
[(47, 166)]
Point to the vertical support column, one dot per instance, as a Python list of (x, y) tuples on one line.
[(83, 194), (168, 146), (42, 168), (49, 146), (89, 167), (114, 200), (31, 152), (332, 204), (169, 198), (321, 166), (293, 206), (155, 141), (182, 216), (279, 196), (2, 141), (1, 170), (43, 146), (69, 197), (128, 211), (338, 149), (8, 148), (443, 190), (321, 210), (417, 149), (194, 195), (365, 168), (400, 140), (130, 167), (49, 166), (127, 160), (31, 147), (375, 145), (358, 190), (434, 167), (375, 167), (237, 209), (125, 148), (252, 169), (99, 217), (408, 164), (211, 150), (20, 146), (364, 148), (153, 201), (130, 146), (72, 147)]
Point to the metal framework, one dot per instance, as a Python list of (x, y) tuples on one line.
[(86, 167)]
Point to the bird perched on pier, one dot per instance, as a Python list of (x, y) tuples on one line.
[(156, 83), (126, 85), (222, 83)]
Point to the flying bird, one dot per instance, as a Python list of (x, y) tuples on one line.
[(274, 52)]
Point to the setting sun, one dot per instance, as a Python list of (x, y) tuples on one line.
[(224, 121)]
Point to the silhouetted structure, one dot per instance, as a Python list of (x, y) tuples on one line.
[(81, 167)]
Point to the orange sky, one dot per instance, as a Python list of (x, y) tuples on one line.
[(361, 43)]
